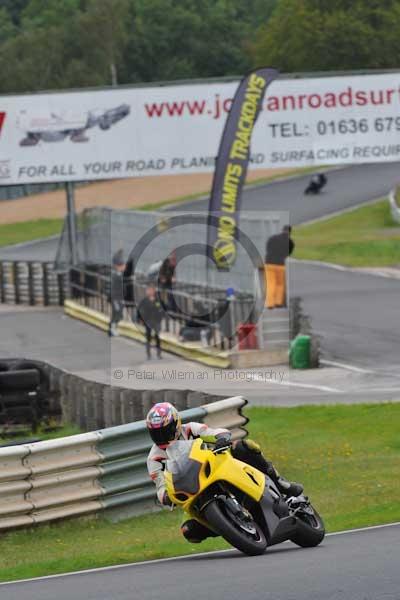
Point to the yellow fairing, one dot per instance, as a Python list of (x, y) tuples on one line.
[(214, 468)]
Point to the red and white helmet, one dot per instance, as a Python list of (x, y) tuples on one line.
[(164, 424)]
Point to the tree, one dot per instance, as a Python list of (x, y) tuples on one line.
[(14, 9), (104, 30), (48, 13), (51, 44), (177, 39), (32, 61), (67, 47), (312, 35), (7, 28)]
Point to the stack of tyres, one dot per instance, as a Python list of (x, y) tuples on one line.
[(24, 392)]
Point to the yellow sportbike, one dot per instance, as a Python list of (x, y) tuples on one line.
[(237, 501)]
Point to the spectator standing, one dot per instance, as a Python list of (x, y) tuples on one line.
[(279, 247), (129, 288), (116, 292), (167, 279), (150, 314)]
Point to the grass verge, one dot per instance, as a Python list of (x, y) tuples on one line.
[(26, 231), (41, 434), (346, 456), (365, 237)]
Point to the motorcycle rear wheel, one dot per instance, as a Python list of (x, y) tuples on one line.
[(229, 528), (311, 531)]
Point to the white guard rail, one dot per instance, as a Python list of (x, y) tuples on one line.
[(91, 472)]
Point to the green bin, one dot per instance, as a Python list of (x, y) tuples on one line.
[(300, 352)]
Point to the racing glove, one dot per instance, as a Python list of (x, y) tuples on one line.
[(223, 441)]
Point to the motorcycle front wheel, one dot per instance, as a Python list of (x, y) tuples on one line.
[(311, 530), (245, 535)]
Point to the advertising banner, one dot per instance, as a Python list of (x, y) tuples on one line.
[(231, 166), (130, 132)]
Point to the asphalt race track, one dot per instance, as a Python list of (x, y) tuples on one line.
[(359, 565), (48, 334), (41, 250), (356, 314), (346, 187)]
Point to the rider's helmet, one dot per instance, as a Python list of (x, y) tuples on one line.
[(164, 424)]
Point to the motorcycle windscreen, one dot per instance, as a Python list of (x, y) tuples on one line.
[(185, 470)]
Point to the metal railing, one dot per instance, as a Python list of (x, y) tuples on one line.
[(185, 306), (13, 192), (103, 470)]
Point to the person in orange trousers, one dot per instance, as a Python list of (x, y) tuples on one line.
[(279, 247)]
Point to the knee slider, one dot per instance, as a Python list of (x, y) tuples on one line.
[(252, 446)]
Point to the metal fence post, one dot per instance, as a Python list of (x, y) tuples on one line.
[(45, 282), (71, 217), (60, 286), (2, 284), (16, 282), (30, 284)]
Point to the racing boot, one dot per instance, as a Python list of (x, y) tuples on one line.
[(289, 488)]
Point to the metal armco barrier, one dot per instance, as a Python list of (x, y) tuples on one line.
[(32, 282), (103, 470), (12, 192)]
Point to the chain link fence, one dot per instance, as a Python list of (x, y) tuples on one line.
[(147, 238), (194, 307)]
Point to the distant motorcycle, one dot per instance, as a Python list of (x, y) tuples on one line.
[(317, 183)]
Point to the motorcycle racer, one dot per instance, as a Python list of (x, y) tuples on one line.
[(165, 426)]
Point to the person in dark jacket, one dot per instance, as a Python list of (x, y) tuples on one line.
[(166, 279), (116, 292), (150, 314), (279, 247)]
